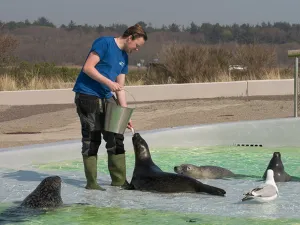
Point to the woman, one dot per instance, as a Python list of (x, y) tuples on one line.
[(103, 73)]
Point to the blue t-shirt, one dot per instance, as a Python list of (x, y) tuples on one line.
[(113, 61)]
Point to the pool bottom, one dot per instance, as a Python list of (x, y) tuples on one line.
[(77, 215), (16, 185), (250, 161)]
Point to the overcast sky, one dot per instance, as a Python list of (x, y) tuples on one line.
[(157, 12)]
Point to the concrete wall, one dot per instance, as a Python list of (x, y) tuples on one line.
[(159, 92), (270, 87)]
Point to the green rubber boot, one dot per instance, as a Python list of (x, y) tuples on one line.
[(117, 170), (90, 169)]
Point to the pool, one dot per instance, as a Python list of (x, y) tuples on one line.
[(244, 148)]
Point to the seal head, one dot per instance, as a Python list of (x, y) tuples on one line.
[(46, 195), (203, 172), (277, 166)]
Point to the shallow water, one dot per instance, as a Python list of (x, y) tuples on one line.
[(115, 216), (233, 158), (164, 208)]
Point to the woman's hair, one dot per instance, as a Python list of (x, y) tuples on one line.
[(136, 31)]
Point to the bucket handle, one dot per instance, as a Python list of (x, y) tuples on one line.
[(130, 95)]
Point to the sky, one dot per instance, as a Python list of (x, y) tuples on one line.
[(156, 12)]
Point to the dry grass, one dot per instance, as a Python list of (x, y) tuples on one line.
[(8, 83)]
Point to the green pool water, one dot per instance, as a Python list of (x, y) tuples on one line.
[(77, 215), (242, 160)]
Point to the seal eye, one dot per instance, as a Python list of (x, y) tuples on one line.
[(188, 168)]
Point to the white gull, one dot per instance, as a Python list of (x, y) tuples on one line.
[(264, 193)]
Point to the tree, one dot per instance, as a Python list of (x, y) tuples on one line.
[(174, 27), (194, 28), (143, 24), (150, 28), (227, 35), (43, 21), (71, 25), (100, 28), (164, 28), (27, 23)]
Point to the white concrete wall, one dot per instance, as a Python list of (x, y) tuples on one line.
[(159, 92), (270, 87)]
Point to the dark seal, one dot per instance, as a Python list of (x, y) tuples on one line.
[(276, 165), (46, 196), (147, 176)]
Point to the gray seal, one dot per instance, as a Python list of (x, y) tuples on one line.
[(203, 172), (276, 165), (147, 176), (46, 195)]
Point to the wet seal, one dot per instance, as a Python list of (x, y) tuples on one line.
[(147, 176), (208, 172), (277, 166)]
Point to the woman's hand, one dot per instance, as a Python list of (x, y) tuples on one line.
[(129, 125), (114, 86)]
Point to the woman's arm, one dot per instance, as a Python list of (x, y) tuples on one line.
[(91, 71), (122, 97), (121, 94)]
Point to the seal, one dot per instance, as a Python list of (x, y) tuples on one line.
[(276, 165), (46, 195), (147, 176), (203, 172)]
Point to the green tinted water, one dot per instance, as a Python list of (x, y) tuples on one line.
[(240, 160), (89, 215)]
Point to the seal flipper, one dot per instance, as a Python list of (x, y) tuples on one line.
[(211, 189), (240, 176), (293, 178), (128, 186)]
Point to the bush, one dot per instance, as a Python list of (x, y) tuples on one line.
[(8, 44), (183, 63)]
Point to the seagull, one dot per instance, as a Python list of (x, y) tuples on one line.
[(266, 192)]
